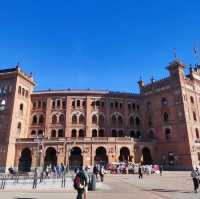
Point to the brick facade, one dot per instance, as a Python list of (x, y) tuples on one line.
[(82, 127)]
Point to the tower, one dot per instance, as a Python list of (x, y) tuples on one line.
[(15, 90)]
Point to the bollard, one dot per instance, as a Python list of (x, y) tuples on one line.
[(92, 183)]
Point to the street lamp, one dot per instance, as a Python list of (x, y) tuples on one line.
[(39, 148), (65, 143)]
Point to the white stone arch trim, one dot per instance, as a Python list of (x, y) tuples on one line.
[(117, 114), (78, 113)]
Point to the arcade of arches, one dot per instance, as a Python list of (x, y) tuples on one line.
[(81, 155)]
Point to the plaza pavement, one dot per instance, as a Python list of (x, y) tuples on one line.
[(172, 185)]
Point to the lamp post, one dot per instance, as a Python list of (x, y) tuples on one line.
[(39, 144), (65, 143)]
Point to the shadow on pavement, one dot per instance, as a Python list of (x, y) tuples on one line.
[(168, 190)]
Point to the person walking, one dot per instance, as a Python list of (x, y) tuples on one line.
[(80, 183), (101, 173), (35, 176), (161, 169), (195, 180), (140, 172), (95, 171)]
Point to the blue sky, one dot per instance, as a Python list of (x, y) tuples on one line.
[(97, 44)]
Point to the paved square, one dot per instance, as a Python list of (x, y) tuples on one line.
[(172, 185)]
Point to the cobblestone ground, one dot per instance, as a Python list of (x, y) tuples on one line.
[(172, 185)]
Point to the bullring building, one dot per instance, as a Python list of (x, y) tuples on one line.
[(160, 124)]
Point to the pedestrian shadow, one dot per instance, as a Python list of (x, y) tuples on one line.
[(169, 190)]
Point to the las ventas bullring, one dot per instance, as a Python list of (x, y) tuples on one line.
[(158, 125)]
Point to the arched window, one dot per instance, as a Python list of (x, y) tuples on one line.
[(20, 90), (33, 133), (19, 127), (101, 119), (197, 133), (164, 101), (21, 107), (53, 133), (23, 91), (114, 133), (74, 133), (131, 121), (74, 119), (133, 106), (137, 121), (84, 103), (120, 133), (191, 99), (40, 132), (138, 107), (116, 104), (151, 134), (58, 103), (138, 134), (63, 104), (34, 120), (81, 119), (97, 103), (132, 134), (54, 119), (73, 103), (94, 133), (114, 120), (101, 133), (165, 117), (41, 119), (78, 103), (120, 120), (94, 119), (194, 116), (43, 104), (81, 133), (34, 104), (61, 119), (61, 133), (167, 133)]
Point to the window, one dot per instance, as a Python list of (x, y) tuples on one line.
[(53, 104), (114, 120), (120, 105), (84, 103), (121, 133), (33, 133), (73, 103), (81, 119), (101, 119), (53, 133), (94, 133), (197, 133), (40, 132), (26, 93), (194, 116), (167, 133), (61, 119), (116, 104), (78, 103), (20, 90), (34, 104), (132, 134), (41, 119), (138, 135), (60, 133), (97, 103), (94, 119), (73, 132), (137, 121), (81, 133), (120, 120), (133, 106), (43, 104), (23, 91), (19, 127), (129, 106), (138, 107), (191, 99), (148, 105), (101, 133), (151, 134), (39, 104), (58, 103), (164, 101), (74, 119), (165, 117), (54, 119), (34, 120), (111, 104), (114, 133), (102, 104), (131, 121), (93, 103), (64, 104)]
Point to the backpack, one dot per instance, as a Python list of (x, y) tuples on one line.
[(78, 182)]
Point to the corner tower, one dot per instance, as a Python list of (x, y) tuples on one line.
[(15, 90)]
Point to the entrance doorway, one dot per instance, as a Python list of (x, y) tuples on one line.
[(146, 158), (76, 158), (124, 155), (25, 161), (101, 156), (50, 157)]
